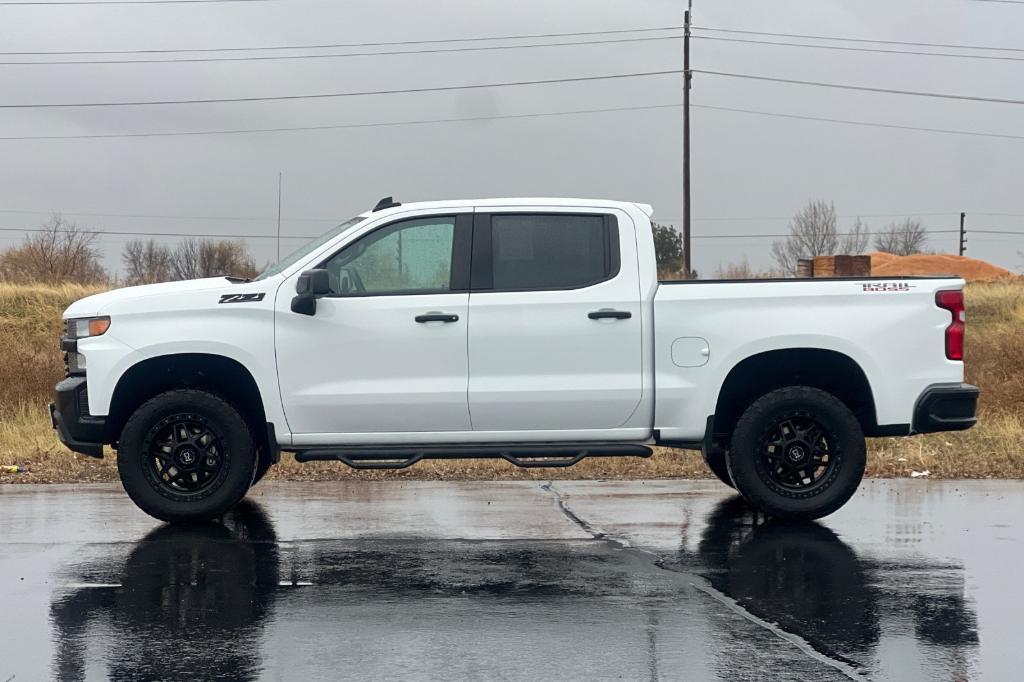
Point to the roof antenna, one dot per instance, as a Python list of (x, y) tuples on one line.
[(386, 202), (279, 174)]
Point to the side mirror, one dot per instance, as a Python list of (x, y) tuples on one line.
[(312, 284)]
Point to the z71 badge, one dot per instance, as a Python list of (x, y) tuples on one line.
[(241, 298)]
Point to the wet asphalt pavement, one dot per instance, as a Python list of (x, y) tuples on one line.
[(514, 580)]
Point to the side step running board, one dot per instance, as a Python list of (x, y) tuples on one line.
[(521, 455)]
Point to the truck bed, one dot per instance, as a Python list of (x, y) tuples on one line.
[(890, 326)]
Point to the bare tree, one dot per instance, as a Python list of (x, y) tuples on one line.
[(59, 252), (903, 238), (146, 262), (856, 240), (813, 232), (195, 258)]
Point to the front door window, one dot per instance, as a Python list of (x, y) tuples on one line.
[(409, 257)]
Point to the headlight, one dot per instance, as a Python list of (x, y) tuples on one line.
[(88, 326), (80, 328)]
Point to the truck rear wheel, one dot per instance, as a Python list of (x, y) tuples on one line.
[(186, 455), (715, 459), (797, 453)]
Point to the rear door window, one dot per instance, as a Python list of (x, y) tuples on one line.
[(536, 251)]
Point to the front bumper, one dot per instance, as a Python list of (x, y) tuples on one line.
[(69, 414), (946, 407)]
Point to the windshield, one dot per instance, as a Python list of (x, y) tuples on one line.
[(308, 248)]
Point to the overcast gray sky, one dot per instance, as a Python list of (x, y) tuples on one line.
[(749, 171)]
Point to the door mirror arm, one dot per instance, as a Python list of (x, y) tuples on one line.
[(311, 285)]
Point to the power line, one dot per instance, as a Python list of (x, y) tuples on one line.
[(862, 40), (852, 215), (383, 124), (947, 131), (786, 234), (89, 214), (857, 49), (146, 233), (357, 93), (996, 241), (166, 234), (272, 236), (82, 3), (319, 46), (335, 219), (279, 57), (388, 124), (862, 88)]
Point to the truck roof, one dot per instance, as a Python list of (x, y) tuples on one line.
[(520, 201)]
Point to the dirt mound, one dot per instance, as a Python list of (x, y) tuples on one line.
[(971, 269)]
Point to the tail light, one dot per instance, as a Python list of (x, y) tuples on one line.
[(953, 301)]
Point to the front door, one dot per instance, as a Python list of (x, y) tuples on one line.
[(555, 339), (386, 351)]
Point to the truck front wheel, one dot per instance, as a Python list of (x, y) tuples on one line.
[(797, 453), (186, 455)]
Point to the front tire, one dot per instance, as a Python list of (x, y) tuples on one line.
[(263, 464), (797, 453), (186, 455)]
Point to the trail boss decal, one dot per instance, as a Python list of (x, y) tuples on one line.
[(885, 286), (241, 298)]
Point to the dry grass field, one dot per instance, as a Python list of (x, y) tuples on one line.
[(30, 364)]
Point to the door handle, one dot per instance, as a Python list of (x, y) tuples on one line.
[(609, 314), (437, 317)]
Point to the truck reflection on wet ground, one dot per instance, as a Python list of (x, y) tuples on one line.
[(188, 601), (806, 580), (197, 602)]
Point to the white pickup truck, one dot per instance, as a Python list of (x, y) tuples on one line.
[(532, 330)]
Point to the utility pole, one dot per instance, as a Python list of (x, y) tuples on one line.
[(686, 140), (279, 215), (963, 234)]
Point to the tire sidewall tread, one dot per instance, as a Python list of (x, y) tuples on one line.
[(847, 444), (717, 462), (230, 427)]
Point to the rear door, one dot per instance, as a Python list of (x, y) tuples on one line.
[(554, 321)]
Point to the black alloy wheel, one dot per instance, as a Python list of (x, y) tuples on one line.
[(186, 454), (796, 454)]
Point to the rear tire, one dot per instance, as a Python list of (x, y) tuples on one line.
[(797, 453), (186, 455), (715, 458)]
